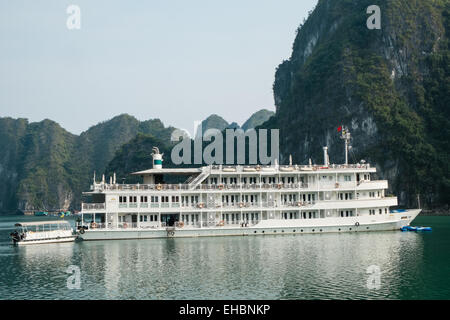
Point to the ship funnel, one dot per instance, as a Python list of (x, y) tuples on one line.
[(157, 158)]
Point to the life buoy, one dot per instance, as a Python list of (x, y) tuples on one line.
[(279, 186), (337, 185), (220, 186), (159, 187), (82, 231), (221, 223), (93, 225), (181, 224), (125, 225), (258, 168), (241, 205), (357, 224), (299, 204)]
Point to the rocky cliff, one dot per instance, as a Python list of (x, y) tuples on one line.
[(389, 86), (44, 167)]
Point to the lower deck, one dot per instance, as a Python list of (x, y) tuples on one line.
[(266, 227)]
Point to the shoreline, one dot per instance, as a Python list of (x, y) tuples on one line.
[(436, 212)]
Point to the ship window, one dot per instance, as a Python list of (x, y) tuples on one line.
[(380, 211)]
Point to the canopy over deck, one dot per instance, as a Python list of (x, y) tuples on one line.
[(180, 171), (40, 223)]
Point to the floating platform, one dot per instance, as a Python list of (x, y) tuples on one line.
[(411, 228)]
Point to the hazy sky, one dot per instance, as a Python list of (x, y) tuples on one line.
[(177, 60)]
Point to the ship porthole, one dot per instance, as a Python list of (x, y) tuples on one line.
[(320, 230), (282, 230), (312, 230), (263, 231), (254, 231), (274, 231), (294, 230), (349, 228), (339, 229), (367, 228), (301, 230)]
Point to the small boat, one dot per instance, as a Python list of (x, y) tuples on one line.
[(411, 228), (42, 232), (41, 213)]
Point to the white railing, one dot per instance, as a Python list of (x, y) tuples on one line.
[(93, 206)]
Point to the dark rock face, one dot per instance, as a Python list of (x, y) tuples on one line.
[(389, 86)]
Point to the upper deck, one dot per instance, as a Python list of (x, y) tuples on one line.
[(199, 175)]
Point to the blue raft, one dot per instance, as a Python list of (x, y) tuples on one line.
[(411, 228)]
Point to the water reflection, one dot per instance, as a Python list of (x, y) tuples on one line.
[(329, 266)]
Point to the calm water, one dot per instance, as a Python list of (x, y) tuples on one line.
[(327, 266)]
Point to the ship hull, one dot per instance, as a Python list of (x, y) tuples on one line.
[(43, 241), (266, 227)]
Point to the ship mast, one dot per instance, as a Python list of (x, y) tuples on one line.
[(346, 137)]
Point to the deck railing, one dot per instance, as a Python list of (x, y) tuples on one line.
[(231, 187), (93, 206)]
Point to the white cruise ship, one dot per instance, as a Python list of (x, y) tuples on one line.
[(219, 200)]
